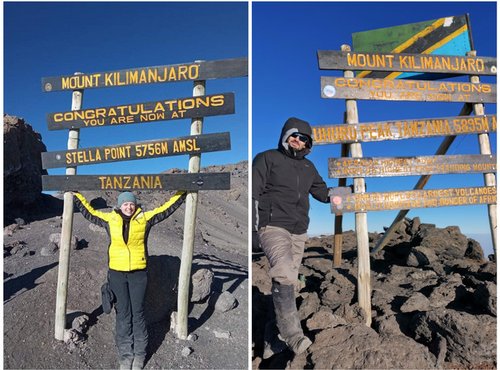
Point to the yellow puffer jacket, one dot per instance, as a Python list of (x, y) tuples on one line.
[(132, 255)]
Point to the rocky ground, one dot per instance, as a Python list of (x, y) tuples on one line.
[(219, 331), (433, 304)]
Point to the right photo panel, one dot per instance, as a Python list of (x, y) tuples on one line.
[(374, 217)]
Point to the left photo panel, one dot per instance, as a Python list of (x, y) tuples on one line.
[(125, 195)]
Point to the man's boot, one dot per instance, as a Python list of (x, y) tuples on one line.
[(138, 363), (126, 363), (272, 343), (287, 318)]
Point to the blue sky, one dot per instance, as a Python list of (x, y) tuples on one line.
[(286, 82), (55, 39)]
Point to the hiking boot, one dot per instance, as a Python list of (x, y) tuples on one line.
[(126, 363), (138, 363), (287, 318), (271, 349), (301, 346)]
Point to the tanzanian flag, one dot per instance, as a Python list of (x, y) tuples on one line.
[(443, 36)]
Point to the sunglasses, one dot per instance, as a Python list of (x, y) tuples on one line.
[(301, 137)]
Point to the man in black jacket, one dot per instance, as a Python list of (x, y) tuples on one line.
[(282, 181)]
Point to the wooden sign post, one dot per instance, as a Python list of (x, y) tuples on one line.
[(406, 129), (137, 150), (361, 221), (404, 62), (410, 166), (66, 232), (407, 90), (173, 109), (350, 88), (489, 178), (343, 200), (189, 181), (189, 229), (195, 107)]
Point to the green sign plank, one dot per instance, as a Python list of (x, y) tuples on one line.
[(138, 150), (403, 129), (449, 64), (410, 166), (163, 110), (187, 181), (194, 71), (342, 200), (407, 90), (443, 36)]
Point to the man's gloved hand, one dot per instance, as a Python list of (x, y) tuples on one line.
[(256, 242)]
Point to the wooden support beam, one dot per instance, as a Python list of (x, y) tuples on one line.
[(489, 178), (364, 274), (66, 233), (189, 229)]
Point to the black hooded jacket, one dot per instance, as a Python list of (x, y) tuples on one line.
[(282, 181)]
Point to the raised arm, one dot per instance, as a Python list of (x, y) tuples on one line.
[(96, 217), (166, 209)]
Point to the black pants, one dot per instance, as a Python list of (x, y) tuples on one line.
[(131, 332)]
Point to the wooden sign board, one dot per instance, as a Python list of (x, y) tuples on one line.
[(449, 64), (190, 107), (342, 200), (443, 36), (187, 181), (138, 150), (147, 75), (407, 90), (410, 166), (403, 129)]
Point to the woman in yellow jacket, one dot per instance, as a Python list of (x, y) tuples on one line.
[(128, 227)]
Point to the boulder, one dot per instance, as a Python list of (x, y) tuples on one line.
[(448, 243), (224, 334), (323, 320), (17, 247), (485, 298), (49, 250), (417, 302), (56, 239), (9, 230), (474, 250), (225, 302), (309, 305), (421, 256), (444, 293), (202, 284), (387, 325), (470, 339), (360, 347), (336, 290), (22, 165), (186, 351)]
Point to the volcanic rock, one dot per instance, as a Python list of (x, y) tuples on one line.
[(22, 165), (202, 284), (470, 339), (433, 304), (225, 302)]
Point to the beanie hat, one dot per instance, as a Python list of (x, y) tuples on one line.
[(126, 197)]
